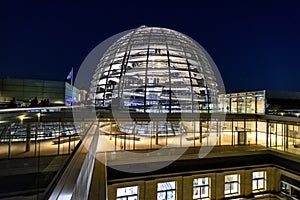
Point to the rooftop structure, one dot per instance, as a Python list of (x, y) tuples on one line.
[(139, 145), (24, 90), (154, 69)]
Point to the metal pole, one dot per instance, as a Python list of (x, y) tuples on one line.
[(69, 148), (58, 142), (9, 141), (156, 133), (267, 134), (256, 131), (194, 130), (28, 134), (35, 137), (166, 132), (200, 129)]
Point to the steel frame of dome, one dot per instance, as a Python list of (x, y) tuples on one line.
[(155, 70)]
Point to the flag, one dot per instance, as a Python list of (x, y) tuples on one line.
[(70, 74)]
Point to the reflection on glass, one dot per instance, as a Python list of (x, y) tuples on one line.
[(155, 70), (201, 188), (166, 191), (127, 193), (259, 181), (232, 184), (290, 190)]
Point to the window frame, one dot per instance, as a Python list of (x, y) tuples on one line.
[(127, 196), (231, 183), (201, 186), (166, 190), (257, 180)]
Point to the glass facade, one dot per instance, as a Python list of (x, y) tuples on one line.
[(250, 131), (155, 70), (25, 90), (243, 102), (25, 138)]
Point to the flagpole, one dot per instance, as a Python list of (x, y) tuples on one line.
[(72, 78)]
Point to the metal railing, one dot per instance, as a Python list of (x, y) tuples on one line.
[(35, 143)]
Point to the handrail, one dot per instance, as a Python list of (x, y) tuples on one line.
[(5, 110), (65, 183)]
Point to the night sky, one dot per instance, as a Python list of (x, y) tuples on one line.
[(255, 44)]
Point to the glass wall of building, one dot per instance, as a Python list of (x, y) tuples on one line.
[(25, 90), (254, 133), (29, 138), (243, 102)]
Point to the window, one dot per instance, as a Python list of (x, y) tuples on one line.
[(166, 190), (232, 184), (258, 181), (201, 188), (127, 193), (290, 190)]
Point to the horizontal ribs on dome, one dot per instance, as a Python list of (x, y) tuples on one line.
[(155, 70)]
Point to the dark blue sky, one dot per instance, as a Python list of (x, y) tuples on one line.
[(255, 44)]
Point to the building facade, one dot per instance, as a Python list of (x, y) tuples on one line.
[(25, 90)]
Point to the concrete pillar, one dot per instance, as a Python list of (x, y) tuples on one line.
[(150, 190), (219, 186), (179, 189), (187, 187), (273, 179), (212, 187), (111, 192), (246, 183)]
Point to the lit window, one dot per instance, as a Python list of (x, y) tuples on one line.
[(127, 193), (201, 188), (166, 190), (232, 184), (290, 190), (258, 181)]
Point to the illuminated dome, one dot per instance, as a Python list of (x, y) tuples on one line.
[(155, 70)]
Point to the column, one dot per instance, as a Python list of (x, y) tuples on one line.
[(218, 188), (246, 183)]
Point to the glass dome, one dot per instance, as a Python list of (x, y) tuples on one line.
[(155, 70)]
